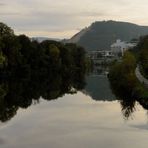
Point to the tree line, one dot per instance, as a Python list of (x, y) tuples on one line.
[(142, 52), (19, 55)]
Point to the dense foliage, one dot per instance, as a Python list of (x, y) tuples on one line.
[(29, 70), (126, 86), (143, 55), (122, 72), (19, 55)]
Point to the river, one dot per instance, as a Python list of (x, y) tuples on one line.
[(91, 118)]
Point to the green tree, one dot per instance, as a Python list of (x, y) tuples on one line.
[(142, 55), (54, 52), (2, 59), (5, 30), (122, 74)]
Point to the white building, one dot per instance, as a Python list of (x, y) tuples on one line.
[(120, 47)]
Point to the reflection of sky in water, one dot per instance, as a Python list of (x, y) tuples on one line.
[(75, 122)]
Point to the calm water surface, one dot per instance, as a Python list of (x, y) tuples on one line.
[(92, 118)]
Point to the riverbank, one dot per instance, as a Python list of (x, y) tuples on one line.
[(124, 81)]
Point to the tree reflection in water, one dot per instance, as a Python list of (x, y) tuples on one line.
[(18, 93), (127, 100)]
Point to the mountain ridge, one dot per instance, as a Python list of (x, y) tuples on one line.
[(101, 34)]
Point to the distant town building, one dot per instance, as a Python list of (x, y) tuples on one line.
[(101, 56), (98, 54), (106, 56), (119, 47)]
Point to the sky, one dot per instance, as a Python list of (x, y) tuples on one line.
[(64, 18)]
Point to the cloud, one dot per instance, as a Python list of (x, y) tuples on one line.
[(2, 4), (91, 14), (2, 141), (9, 13), (66, 16)]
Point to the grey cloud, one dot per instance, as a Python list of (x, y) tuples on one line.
[(116, 2), (92, 14), (2, 141), (9, 13), (2, 4), (36, 15), (48, 20), (42, 22), (64, 16)]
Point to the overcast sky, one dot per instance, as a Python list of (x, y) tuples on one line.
[(63, 18)]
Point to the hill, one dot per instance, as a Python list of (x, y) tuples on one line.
[(100, 35)]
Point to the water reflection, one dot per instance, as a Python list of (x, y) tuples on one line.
[(100, 89), (100, 70), (73, 120), (18, 93), (98, 85), (127, 100)]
